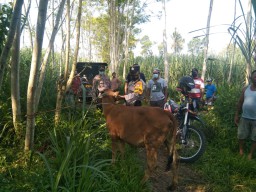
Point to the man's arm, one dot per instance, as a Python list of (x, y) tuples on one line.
[(239, 106), (165, 94), (215, 91), (125, 88), (127, 80), (202, 89), (142, 76)]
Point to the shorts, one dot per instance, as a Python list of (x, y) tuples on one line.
[(246, 129)]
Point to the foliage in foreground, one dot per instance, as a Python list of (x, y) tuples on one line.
[(76, 157), (221, 165)]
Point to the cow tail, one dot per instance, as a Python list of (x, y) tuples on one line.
[(173, 156), (171, 142)]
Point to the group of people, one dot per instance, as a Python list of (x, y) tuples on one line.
[(136, 89), (197, 93), (101, 82)]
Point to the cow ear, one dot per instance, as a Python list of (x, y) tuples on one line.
[(116, 93)]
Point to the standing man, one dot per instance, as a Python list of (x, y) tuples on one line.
[(135, 89), (115, 82), (76, 84), (197, 93), (210, 92), (135, 67), (247, 108), (157, 90), (100, 83)]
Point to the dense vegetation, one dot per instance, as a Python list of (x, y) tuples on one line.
[(75, 155)]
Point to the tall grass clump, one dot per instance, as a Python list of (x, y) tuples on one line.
[(221, 164), (79, 159)]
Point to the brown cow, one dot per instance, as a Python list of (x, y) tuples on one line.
[(149, 127)]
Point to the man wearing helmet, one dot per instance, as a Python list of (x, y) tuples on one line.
[(129, 76), (197, 93), (135, 89)]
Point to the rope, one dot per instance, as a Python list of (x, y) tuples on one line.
[(31, 116)]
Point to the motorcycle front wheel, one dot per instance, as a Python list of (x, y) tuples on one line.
[(193, 148)]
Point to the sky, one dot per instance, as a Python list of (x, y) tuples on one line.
[(191, 15), (187, 16)]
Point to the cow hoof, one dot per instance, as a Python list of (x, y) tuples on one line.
[(171, 188), (168, 168)]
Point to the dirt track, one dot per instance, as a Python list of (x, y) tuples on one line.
[(189, 181)]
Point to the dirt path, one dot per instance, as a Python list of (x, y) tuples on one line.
[(189, 181)]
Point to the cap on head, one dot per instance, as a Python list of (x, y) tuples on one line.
[(209, 80), (101, 68), (156, 71)]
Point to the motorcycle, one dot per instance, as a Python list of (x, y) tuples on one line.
[(190, 140)]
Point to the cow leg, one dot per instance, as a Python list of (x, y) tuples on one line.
[(121, 148), (173, 158), (114, 149), (151, 162)]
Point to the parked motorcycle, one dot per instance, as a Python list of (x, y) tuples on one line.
[(191, 141)]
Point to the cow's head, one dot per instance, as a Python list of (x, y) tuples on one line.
[(110, 96)]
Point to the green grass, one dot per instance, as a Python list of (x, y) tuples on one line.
[(77, 158), (221, 165)]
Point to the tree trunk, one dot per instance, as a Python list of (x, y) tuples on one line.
[(27, 20), (52, 51), (249, 63), (10, 37), (234, 50), (62, 83), (254, 10), (67, 42), (15, 85), (26, 15), (128, 28), (47, 54), (114, 31), (34, 73), (206, 43), (166, 64), (61, 93)]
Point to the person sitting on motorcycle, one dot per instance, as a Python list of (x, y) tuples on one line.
[(136, 89), (186, 84)]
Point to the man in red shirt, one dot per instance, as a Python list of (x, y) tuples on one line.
[(197, 93), (76, 83)]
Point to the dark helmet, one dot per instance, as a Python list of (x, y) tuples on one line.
[(136, 66), (134, 71), (186, 83)]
